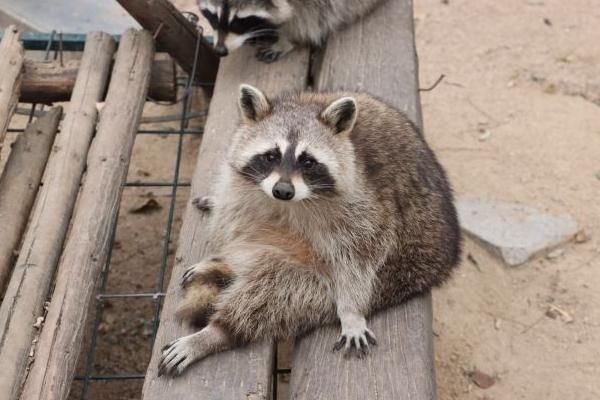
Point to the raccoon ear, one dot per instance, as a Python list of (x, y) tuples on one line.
[(253, 104), (341, 114)]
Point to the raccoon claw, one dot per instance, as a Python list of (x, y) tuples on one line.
[(355, 343), (268, 54), (204, 204), (176, 357), (188, 275)]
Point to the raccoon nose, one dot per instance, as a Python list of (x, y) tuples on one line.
[(221, 50), (283, 191)]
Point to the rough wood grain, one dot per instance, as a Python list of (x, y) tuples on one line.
[(87, 247), (244, 373), (11, 68), (48, 81), (175, 34), (34, 269), (376, 55), (19, 184)]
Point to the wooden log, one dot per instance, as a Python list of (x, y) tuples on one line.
[(19, 184), (87, 248), (176, 35), (376, 55), (31, 279), (48, 82), (11, 68), (243, 373)]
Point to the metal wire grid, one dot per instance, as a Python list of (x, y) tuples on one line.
[(157, 296), (174, 184)]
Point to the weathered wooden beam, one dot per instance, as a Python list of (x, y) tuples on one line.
[(19, 184), (43, 242), (88, 244), (376, 55), (48, 81), (11, 68), (243, 373), (176, 35)]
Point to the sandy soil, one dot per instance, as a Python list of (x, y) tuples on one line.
[(516, 118)]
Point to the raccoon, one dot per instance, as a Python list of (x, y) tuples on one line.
[(331, 206), (277, 26)]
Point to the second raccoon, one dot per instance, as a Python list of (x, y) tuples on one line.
[(276, 26)]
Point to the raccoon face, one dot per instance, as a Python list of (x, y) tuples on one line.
[(293, 152), (236, 22)]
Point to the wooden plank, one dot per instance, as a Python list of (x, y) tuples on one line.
[(176, 35), (19, 184), (244, 373), (87, 248), (48, 81), (11, 67), (376, 55), (34, 269)]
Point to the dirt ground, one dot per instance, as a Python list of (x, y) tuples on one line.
[(516, 118)]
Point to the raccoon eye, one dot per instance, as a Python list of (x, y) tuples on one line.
[(308, 163), (270, 156)]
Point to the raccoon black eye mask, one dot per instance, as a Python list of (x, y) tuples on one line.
[(277, 26), (329, 207)]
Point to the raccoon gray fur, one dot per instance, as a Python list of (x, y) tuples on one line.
[(277, 26), (331, 206)]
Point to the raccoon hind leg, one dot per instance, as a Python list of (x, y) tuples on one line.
[(202, 283), (273, 299)]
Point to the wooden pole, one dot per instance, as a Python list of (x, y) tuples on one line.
[(377, 55), (48, 81), (19, 184), (31, 279), (11, 68), (86, 250), (176, 34)]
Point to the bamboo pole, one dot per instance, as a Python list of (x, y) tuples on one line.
[(176, 34), (86, 250), (30, 281), (11, 67), (48, 81), (19, 184)]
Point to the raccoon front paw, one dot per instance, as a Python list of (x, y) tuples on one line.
[(177, 356), (204, 203), (268, 54), (355, 342)]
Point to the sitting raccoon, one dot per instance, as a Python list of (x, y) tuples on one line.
[(331, 206), (277, 26)]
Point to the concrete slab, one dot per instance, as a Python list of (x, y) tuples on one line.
[(69, 16), (514, 232)]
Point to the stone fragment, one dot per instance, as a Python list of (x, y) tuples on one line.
[(514, 232)]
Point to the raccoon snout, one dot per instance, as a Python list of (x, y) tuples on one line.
[(283, 190), (221, 50)]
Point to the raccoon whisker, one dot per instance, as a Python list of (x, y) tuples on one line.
[(322, 186), (263, 31)]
